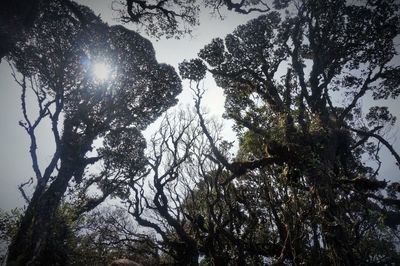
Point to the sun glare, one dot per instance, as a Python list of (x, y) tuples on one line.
[(101, 71)]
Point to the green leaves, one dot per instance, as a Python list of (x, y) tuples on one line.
[(213, 53), (194, 69), (390, 85), (138, 90), (56, 61), (124, 150), (380, 115)]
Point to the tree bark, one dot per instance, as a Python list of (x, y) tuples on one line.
[(27, 248), (39, 224)]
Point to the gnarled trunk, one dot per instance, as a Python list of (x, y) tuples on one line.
[(37, 235), (38, 225)]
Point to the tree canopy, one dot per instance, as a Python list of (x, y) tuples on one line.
[(55, 66), (302, 187), (280, 74)]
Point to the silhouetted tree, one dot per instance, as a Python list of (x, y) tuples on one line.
[(187, 200), (55, 66), (175, 18), (279, 76), (156, 18), (107, 234), (297, 192), (156, 199)]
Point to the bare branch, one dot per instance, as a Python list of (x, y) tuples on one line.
[(364, 88), (238, 7), (365, 138), (382, 140), (238, 168), (21, 189)]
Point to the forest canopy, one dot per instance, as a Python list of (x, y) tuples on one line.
[(304, 185)]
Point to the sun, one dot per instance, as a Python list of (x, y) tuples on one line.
[(101, 71)]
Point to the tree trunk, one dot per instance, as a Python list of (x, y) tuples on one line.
[(323, 178), (39, 224)]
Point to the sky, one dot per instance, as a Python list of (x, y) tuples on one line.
[(15, 164)]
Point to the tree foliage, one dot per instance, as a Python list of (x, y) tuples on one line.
[(172, 18), (300, 190), (55, 66), (169, 18), (15, 18), (280, 74)]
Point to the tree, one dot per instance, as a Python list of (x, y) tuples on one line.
[(157, 18), (297, 192), (55, 68), (175, 18), (107, 234), (155, 201), (96, 238), (188, 201), (279, 76)]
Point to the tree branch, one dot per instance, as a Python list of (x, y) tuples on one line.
[(382, 140), (21, 189), (238, 168)]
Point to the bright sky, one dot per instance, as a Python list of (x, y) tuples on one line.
[(15, 164)]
